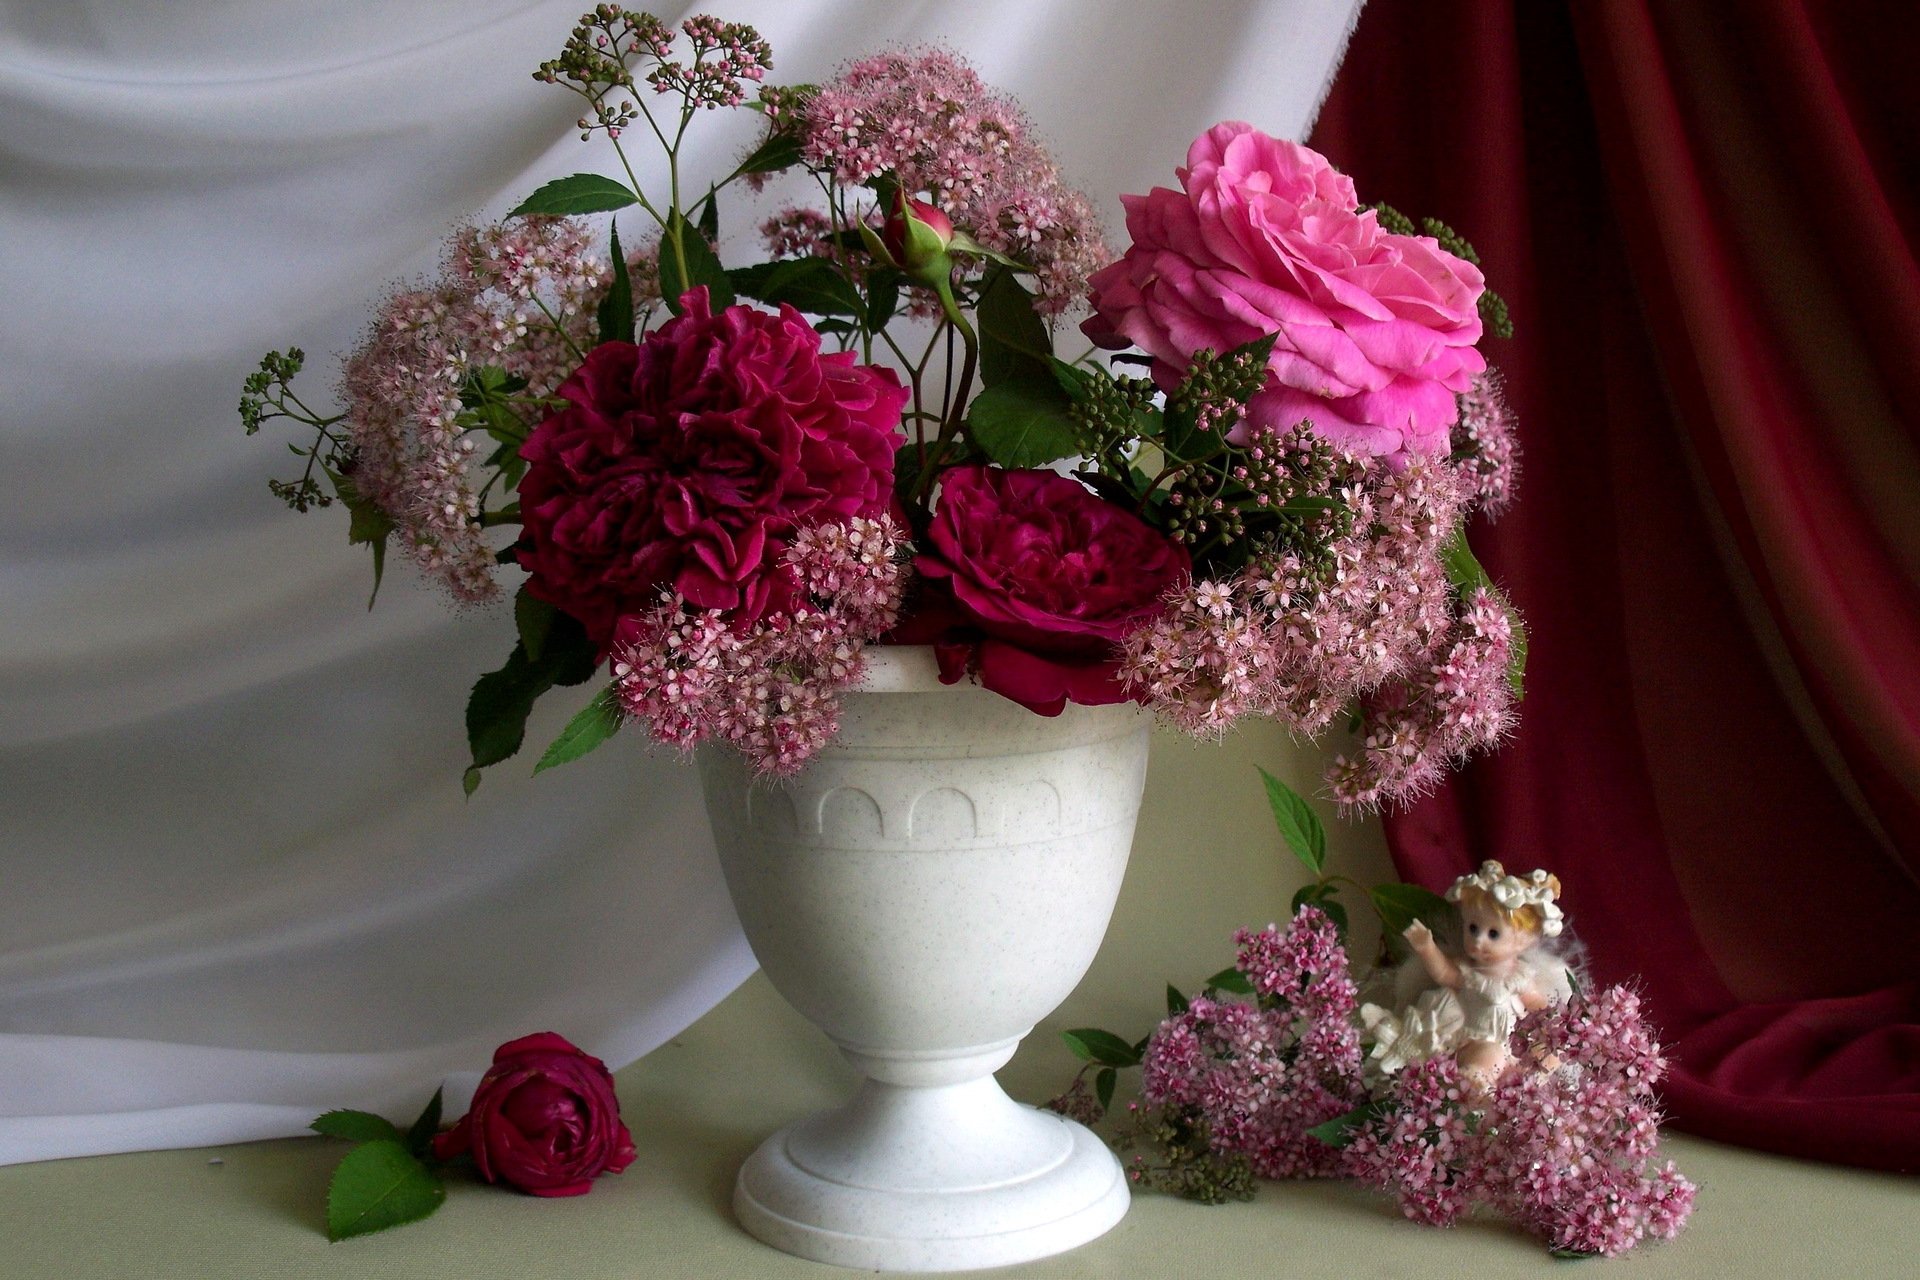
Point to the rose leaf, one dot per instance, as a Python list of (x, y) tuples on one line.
[(354, 1126), (1023, 423), (580, 193), (380, 1185), (596, 723)]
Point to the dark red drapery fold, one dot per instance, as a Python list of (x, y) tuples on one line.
[(1701, 216)]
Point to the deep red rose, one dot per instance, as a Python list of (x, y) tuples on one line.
[(544, 1120), (1044, 580), (686, 461)]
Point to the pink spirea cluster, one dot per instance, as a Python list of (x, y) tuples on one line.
[(506, 296), (925, 117), (1263, 1072), (1484, 439), (796, 232), (1570, 1153), (724, 54), (768, 688), (1455, 700)]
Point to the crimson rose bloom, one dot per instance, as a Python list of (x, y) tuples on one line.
[(1046, 579), (685, 462), (544, 1120), (1376, 333)]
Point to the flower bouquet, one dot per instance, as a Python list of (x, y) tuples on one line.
[(842, 519)]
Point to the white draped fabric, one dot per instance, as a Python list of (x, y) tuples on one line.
[(239, 884)]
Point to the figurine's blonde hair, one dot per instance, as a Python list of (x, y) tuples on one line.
[(1525, 916)]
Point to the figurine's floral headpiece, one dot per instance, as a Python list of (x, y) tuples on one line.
[(1513, 894)]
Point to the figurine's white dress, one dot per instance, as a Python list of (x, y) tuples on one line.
[(1440, 1020)]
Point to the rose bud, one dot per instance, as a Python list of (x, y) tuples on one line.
[(544, 1120), (914, 238)]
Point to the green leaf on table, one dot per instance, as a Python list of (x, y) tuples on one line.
[(420, 1134), (1023, 424), (1338, 1132), (1230, 980), (1299, 826), (598, 721), (1014, 342), (812, 285), (1176, 1003), (355, 1126), (533, 618), (702, 266), (616, 309), (1093, 1045), (1399, 905), (380, 1185), (1103, 1083), (580, 193)]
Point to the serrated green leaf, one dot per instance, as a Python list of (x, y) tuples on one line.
[(1231, 980), (883, 297), (1517, 655), (355, 1126), (1464, 571), (533, 618), (1075, 381), (1014, 342), (1176, 1003), (1338, 1132), (1023, 424), (380, 1185), (367, 525), (702, 267), (1103, 1047), (779, 151), (812, 285), (597, 721), (501, 700), (1399, 905), (615, 315), (1298, 824), (579, 193), (1103, 1083), (1323, 895), (706, 216), (420, 1134)]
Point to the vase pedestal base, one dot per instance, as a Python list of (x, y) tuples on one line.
[(944, 1178)]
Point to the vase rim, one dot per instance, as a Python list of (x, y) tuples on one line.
[(903, 668)]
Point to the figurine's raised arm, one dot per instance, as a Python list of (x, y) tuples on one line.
[(1439, 966)]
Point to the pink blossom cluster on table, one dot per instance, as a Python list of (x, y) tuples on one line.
[(1567, 1149), (661, 453)]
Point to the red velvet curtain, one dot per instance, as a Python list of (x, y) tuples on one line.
[(1702, 215)]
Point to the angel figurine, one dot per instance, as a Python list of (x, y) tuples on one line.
[(1507, 967)]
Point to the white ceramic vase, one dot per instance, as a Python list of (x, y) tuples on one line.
[(935, 882)]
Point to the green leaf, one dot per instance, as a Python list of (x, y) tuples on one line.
[(1299, 827), (1466, 574), (1075, 381), (1023, 424), (580, 193), (1231, 980), (420, 1135), (1176, 1003), (1014, 342), (1338, 1132), (1322, 895), (706, 216), (380, 1185), (597, 722), (1516, 659), (813, 285), (1259, 351), (616, 309), (702, 266), (1570, 1255), (1103, 1047), (497, 709), (1399, 905), (533, 618), (1103, 1083), (355, 1126), (779, 151), (367, 525), (470, 781), (883, 297)]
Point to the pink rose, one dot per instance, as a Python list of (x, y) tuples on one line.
[(686, 463), (1043, 580), (1375, 332), (544, 1120)]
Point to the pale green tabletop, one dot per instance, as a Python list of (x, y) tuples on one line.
[(1205, 863)]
